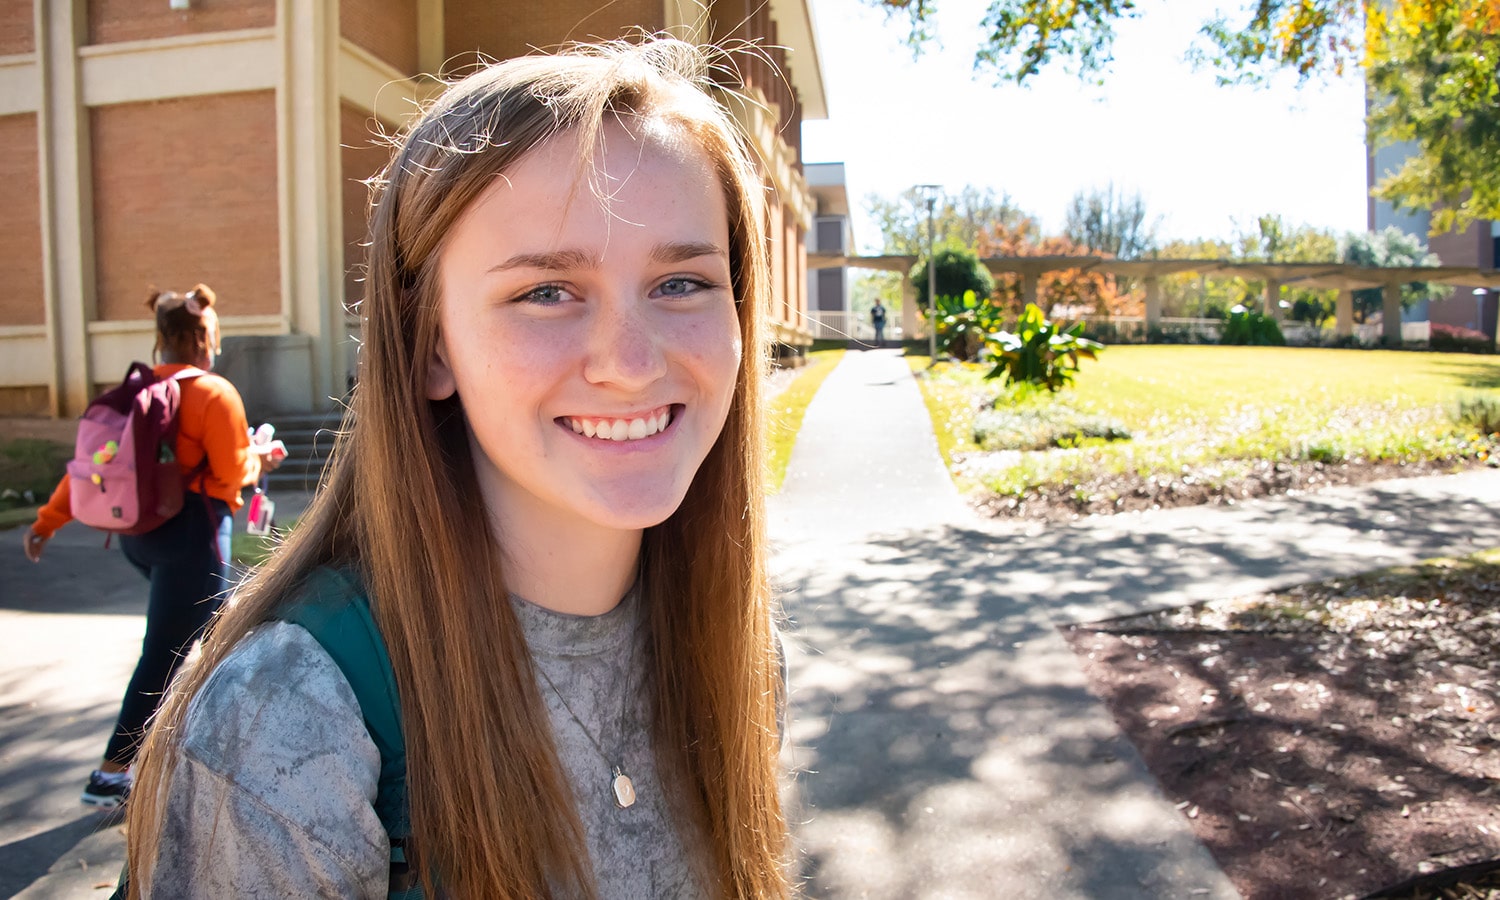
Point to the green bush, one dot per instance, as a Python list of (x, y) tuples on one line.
[(1251, 329), (1480, 412), (958, 272), (1041, 428), (1039, 352)]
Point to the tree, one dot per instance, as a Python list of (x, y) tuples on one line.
[(958, 271), (957, 219), (1101, 221), (1431, 65), (1273, 239), (1070, 289), (1390, 247)]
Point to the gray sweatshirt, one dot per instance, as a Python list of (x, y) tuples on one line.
[(273, 789)]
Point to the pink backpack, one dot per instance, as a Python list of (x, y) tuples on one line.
[(124, 474)]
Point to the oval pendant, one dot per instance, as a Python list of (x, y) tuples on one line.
[(624, 790)]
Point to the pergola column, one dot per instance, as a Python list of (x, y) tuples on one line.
[(911, 322), (1391, 314), (1153, 302), (1343, 313), (1028, 287), (1273, 299)]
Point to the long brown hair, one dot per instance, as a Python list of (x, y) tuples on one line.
[(491, 811)]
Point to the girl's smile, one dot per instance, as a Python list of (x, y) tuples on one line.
[(621, 428)]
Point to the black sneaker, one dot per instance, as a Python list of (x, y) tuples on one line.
[(104, 792)]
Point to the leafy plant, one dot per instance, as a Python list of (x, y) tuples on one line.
[(1040, 352), (1251, 329), (964, 324)]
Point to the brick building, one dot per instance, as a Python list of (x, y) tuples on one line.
[(159, 143)]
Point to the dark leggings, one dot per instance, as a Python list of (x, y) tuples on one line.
[(188, 581)]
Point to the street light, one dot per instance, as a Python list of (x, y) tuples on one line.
[(931, 191), (1479, 296)]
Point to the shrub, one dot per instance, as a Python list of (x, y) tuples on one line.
[(1245, 328), (1041, 428), (958, 272), (1457, 339), (1039, 352), (1480, 412)]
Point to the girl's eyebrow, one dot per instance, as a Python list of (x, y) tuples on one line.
[(684, 251), (562, 260)]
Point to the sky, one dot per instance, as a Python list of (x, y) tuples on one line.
[(1206, 159)]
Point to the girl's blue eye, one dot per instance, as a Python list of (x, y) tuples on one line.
[(546, 295), (680, 287)]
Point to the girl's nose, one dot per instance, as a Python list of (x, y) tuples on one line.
[(624, 345)]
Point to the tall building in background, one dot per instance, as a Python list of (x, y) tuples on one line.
[(161, 143), (1478, 245)]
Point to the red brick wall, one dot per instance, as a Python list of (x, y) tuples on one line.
[(359, 159), (17, 30), (21, 303), (503, 30), (1470, 247), (386, 28), (185, 190), (138, 20)]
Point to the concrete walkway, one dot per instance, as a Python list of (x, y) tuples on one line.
[(945, 740)]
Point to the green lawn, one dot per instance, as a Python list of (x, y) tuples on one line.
[(1214, 408), (785, 413)]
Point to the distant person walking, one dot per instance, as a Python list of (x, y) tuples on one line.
[(877, 318), (184, 558)]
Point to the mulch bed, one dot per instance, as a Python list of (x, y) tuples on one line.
[(1329, 741)]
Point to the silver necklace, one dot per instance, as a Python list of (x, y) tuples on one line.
[(620, 784)]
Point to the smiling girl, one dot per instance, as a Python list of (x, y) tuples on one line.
[(548, 498)]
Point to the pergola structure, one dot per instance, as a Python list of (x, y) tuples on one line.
[(1342, 277)]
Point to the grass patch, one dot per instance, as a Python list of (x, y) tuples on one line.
[(788, 409), (250, 550), (1221, 408), (30, 464)]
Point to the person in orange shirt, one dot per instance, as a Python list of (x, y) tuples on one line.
[(185, 560)]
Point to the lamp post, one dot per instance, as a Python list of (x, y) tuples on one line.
[(931, 191), (1479, 296)]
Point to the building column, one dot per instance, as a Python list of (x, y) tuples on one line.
[(430, 36), (911, 319), (307, 103), (1272, 301), (1153, 302), (1390, 330), (68, 288), (1343, 314)]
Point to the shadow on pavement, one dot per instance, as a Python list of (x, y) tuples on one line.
[(26, 861)]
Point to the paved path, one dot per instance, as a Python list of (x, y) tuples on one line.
[(946, 742)]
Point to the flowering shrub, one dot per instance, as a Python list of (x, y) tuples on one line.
[(1458, 339)]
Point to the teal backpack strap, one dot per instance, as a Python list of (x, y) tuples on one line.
[(335, 610)]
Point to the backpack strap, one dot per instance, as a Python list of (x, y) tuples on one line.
[(335, 610)]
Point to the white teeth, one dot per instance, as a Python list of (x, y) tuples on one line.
[(622, 429)]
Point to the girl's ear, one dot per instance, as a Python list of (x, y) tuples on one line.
[(440, 381)]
